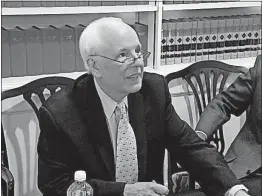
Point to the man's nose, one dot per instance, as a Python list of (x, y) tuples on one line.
[(138, 62)]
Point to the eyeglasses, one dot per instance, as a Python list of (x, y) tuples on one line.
[(130, 60)]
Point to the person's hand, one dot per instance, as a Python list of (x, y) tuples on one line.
[(241, 193), (145, 189)]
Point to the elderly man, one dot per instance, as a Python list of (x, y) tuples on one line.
[(115, 123), (244, 154)]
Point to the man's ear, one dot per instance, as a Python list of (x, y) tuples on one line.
[(94, 69)]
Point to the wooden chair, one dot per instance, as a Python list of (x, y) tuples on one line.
[(201, 81), (21, 139)]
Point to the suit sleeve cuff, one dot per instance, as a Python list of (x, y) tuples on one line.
[(235, 189), (202, 133)]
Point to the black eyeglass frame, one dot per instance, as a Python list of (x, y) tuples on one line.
[(134, 59)]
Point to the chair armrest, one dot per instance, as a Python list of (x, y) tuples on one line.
[(8, 178)]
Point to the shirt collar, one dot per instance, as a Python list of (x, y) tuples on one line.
[(108, 103)]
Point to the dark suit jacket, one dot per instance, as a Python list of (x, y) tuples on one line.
[(244, 154), (74, 135)]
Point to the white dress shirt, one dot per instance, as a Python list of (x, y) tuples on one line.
[(109, 106)]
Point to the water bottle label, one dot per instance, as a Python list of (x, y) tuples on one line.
[(81, 193)]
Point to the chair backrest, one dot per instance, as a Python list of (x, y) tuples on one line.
[(204, 80), (37, 87), (22, 135)]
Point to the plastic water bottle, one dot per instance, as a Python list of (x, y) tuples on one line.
[(80, 187)]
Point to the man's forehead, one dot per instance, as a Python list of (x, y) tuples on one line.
[(116, 48)]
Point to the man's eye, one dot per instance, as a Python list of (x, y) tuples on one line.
[(138, 50), (123, 54)]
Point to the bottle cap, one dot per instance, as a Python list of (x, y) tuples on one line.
[(80, 175)]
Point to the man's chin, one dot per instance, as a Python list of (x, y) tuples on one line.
[(135, 88)]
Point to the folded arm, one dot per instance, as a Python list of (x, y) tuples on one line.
[(235, 100), (200, 159)]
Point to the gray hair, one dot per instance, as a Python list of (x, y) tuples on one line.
[(91, 40)]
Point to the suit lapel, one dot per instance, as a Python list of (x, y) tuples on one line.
[(136, 116), (94, 117)]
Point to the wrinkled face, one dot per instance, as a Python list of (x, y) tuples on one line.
[(120, 78)]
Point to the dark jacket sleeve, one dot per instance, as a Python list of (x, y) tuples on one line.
[(58, 160), (235, 100), (200, 159), (3, 149)]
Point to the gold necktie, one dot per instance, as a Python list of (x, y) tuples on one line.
[(126, 159)]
